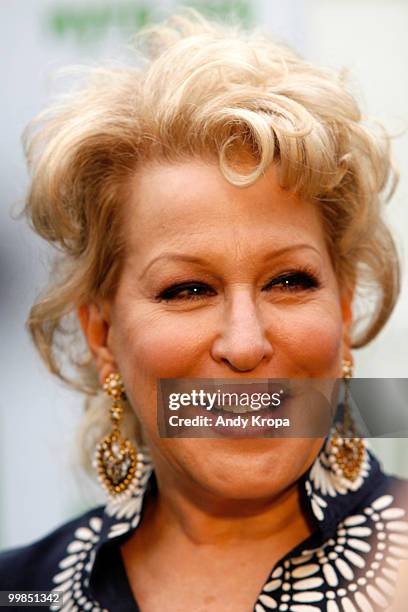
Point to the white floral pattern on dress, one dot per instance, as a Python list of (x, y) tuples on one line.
[(324, 482), (74, 569), (355, 571)]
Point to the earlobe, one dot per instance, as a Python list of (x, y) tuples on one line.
[(95, 324)]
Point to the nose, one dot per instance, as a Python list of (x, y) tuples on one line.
[(241, 342)]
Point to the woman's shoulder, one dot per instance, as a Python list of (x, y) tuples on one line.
[(32, 566)]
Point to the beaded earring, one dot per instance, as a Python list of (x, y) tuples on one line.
[(346, 449), (118, 463)]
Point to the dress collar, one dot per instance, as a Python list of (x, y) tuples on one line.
[(329, 497)]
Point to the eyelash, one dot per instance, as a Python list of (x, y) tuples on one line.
[(302, 276)]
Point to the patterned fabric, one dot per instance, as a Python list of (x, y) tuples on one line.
[(348, 564)]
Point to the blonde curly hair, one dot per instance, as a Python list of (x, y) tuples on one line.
[(206, 90)]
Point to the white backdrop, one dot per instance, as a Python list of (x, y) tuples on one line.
[(38, 484)]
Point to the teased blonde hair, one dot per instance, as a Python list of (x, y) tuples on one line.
[(201, 89)]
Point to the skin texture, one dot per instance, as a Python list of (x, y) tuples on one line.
[(249, 319)]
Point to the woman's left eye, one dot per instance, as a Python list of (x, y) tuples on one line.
[(294, 281)]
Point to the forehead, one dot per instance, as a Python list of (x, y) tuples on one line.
[(192, 203)]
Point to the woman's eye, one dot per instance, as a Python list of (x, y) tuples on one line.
[(294, 281), (186, 291), (194, 290)]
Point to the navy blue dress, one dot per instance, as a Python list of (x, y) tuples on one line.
[(349, 563)]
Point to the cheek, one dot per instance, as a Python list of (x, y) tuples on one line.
[(149, 344), (312, 339), (161, 346)]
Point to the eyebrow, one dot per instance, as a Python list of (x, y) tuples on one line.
[(199, 260)]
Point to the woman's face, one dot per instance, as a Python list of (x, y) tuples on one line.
[(222, 282)]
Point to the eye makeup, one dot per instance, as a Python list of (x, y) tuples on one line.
[(297, 279)]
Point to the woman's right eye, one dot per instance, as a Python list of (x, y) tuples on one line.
[(186, 291)]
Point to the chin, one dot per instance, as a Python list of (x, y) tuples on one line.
[(248, 468)]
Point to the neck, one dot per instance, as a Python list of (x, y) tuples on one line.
[(187, 510)]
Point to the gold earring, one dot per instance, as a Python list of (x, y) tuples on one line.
[(118, 464), (347, 450)]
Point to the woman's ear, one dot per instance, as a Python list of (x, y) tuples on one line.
[(95, 322)]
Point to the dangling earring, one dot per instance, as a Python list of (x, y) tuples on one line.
[(118, 463), (346, 449)]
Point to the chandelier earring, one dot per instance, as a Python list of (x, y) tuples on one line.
[(117, 461), (346, 448)]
